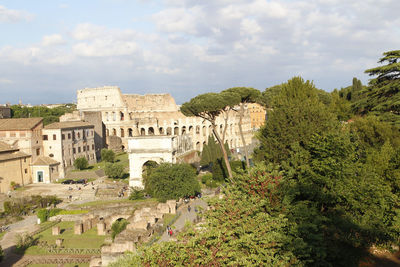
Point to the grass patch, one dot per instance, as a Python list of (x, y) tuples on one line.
[(120, 158), (72, 212), (168, 218), (139, 202), (88, 239)]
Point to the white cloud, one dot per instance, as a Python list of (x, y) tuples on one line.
[(12, 16), (55, 39)]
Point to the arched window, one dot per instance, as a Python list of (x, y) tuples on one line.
[(151, 131), (176, 131), (114, 131), (142, 131), (169, 131), (161, 130), (183, 130), (130, 132), (122, 132)]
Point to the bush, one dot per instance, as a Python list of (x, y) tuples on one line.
[(206, 177), (107, 155), (136, 194), (117, 227), (24, 241), (238, 165), (219, 170), (81, 163), (114, 170), (43, 215)]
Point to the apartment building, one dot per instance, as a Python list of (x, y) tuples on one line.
[(66, 141)]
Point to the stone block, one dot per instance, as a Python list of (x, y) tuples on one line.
[(55, 230), (95, 262), (172, 206), (163, 208), (78, 228), (101, 229), (140, 225), (59, 242)]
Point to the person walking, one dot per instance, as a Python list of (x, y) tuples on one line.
[(189, 208)]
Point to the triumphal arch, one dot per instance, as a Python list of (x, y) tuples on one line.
[(163, 148)]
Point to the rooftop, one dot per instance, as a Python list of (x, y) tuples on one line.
[(44, 161), (68, 125), (19, 123)]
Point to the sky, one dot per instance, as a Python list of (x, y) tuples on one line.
[(49, 49)]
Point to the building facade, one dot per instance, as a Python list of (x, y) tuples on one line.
[(156, 114), (24, 134), (14, 167), (66, 141), (257, 115)]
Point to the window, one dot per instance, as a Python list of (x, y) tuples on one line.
[(79, 135), (92, 147), (54, 137), (24, 160), (87, 148), (79, 149), (84, 148), (26, 171), (73, 150), (69, 136), (45, 137), (37, 151), (63, 136)]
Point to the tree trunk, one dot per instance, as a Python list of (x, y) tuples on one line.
[(246, 153), (228, 166)]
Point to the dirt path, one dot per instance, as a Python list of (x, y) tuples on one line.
[(186, 215), (28, 225)]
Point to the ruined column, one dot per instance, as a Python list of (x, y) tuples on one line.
[(78, 228), (101, 228), (55, 230)]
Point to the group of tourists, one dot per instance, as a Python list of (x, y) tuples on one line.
[(169, 231)]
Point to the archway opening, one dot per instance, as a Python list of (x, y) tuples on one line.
[(161, 130), (130, 132), (176, 131), (169, 131), (183, 130), (151, 131), (147, 169), (142, 131), (122, 132)]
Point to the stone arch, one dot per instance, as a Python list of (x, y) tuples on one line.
[(161, 130), (204, 130), (150, 131), (114, 116), (108, 132), (198, 146), (121, 116), (183, 130), (142, 131), (176, 131), (136, 171), (130, 131), (197, 129), (169, 131), (118, 217), (191, 129), (122, 132), (106, 115), (114, 131)]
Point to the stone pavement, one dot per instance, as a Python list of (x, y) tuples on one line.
[(185, 216)]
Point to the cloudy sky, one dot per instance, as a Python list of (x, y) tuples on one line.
[(49, 48)]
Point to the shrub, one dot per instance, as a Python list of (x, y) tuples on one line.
[(238, 165), (107, 155), (24, 241), (117, 227), (136, 194), (114, 170), (206, 177), (81, 163), (219, 170), (43, 215)]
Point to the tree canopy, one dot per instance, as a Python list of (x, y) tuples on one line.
[(172, 181)]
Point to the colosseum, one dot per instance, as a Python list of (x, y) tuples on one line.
[(129, 115)]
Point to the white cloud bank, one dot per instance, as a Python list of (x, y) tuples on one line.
[(13, 16), (200, 46)]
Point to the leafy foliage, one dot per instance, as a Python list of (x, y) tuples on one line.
[(24, 241), (212, 151), (49, 115), (118, 226), (382, 97), (245, 228), (107, 155), (114, 170), (136, 193), (172, 181), (81, 163), (298, 114)]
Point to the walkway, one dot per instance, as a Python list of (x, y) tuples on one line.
[(185, 216), (8, 241)]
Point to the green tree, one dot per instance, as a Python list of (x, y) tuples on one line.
[(247, 95), (298, 113), (172, 181), (81, 163), (114, 170), (209, 106), (107, 155), (49, 115), (212, 151), (382, 96), (245, 228)]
